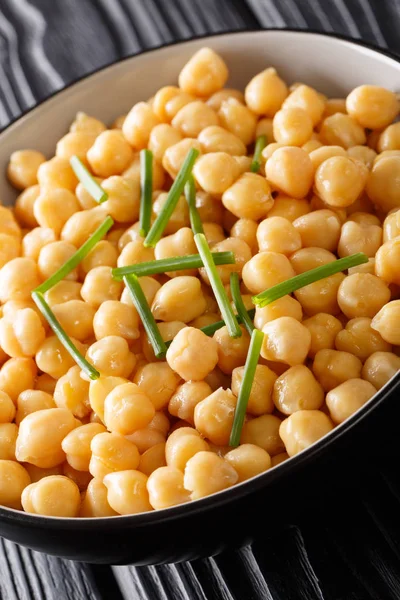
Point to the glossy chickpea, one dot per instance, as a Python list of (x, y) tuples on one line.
[(285, 340), (206, 473), (81, 225), (219, 97), (391, 226), (303, 428), (127, 408), (181, 445), (94, 502), (146, 438), (180, 243), (320, 228), (99, 390), (162, 137), (138, 124), (115, 318), (87, 124), (45, 383), (242, 255), (104, 254), (111, 452), (13, 480), (380, 367), (368, 267), (260, 399), (217, 139), (53, 359), (30, 401), (383, 186), (180, 299), (168, 100), (23, 167), (389, 138), (292, 126), (204, 74), (63, 291), (249, 197), (307, 99), (289, 208), (192, 354), (372, 106), (53, 256), (283, 307), (362, 154), (168, 331), (263, 431), (110, 154), (356, 237), (152, 459), (24, 205), (10, 247), (56, 173), (123, 199), (290, 171), (7, 408), (22, 335), (100, 287), (362, 338), (266, 269), (17, 375), (178, 219), (76, 445), (210, 209), (75, 143), (385, 321), (36, 474), (311, 145), (279, 458), (193, 118), (35, 240), (72, 392), (186, 397), (238, 119), (175, 155), (216, 172), (342, 130), (246, 230), (111, 357), (213, 416), (386, 261), (297, 389), (232, 352), (53, 496), (158, 381), (127, 493), (340, 180), (277, 234), (323, 328), (8, 438), (320, 155), (347, 398), (321, 296), (265, 93), (265, 127), (17, 279), (362, 295), (76, 318), (248, 461), (165, 487)]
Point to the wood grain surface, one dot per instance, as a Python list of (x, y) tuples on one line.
[(352, 553)]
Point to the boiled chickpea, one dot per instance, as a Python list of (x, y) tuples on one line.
[(180, 298), (248, 461), (177, 244), (56, 173), (13, 480), (283, 307), (320, 155), (63, 291), (380, 367), (385, 321), (303, 428), (383, 185), (231, 352), (249, 197), (356, 237), (17, 375), (111, 357), (168, 331), (86, 123), (372, 106), (127, 493), (76, 317), (152, 459), (265, 270), (111, 452), (297, 389), (265, 93), (163, 136), (361, 338), (23, 166), (340, 180), (35, 240), (94, 502), (192, 354), (17, 279), (213, 416), (165, 487), (45, 383), (22, 335), (312, 145), (53, 256), (238, 119), (362, 154), (292, 126), (81, 225), (279, 458), (277, 234), (362, 295), (75, 143), (320, 228), (210, 209), (347, 398), (386, 261), (286, 340), (100, 287), (40, 436), (193, 118), (307, 99), (110, 154), (76, 445), (218, 139), (204, 74), (186, 398), (391, 226), (8, 438), (36, 474), (123, 199), (265, 127), (158, 382), (116, 318), (334, 105), (103, 254), (127, 408), (290, 171), (53, 496), (53, 359), (246, 230), (81, 478), (181, 445), (323, 328), (175, 155), (289, 208), (178, 220), (263, 432), (260, 399), (30, 401), (389, 139), (342, 130), (99, 390), (72, 393), (216, 172), (168, 100), (138, 124), (242, 255), (368, 267), (146, 438), (206, 473), (7, 408), (10, 248), (219, 97), (24, 206)]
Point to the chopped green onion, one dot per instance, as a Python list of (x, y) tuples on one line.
[(217, 286), (190, 193), (149, 323), (239, 304), (66, 341), (174, 194), (175, 263), (261, 142), (146, 190), (311, 276), (245, 389), (77, 257), (87, 180)]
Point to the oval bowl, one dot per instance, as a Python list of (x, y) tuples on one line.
[(334, 65)]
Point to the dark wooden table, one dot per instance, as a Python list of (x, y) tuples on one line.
[(350, 551)]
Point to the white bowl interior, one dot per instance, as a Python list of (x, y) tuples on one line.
[(332, 65)]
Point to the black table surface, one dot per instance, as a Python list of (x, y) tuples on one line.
[(352, 550)]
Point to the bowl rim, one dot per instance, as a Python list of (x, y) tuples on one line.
[(256, 483)]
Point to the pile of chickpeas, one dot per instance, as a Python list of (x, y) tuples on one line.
[(150, 434)]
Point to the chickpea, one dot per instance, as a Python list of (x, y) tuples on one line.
[(285, 340), (340, 180), (53, 256), (99, 390), (386, 154), (87, 124), (204, 74), (175, 155), (13, 480), (36, 474), (342, 130), (246, 230), (186, 397), (368, 267), (361, 339), (23, 166), (263, 431), (123, 199), (265, 93), (320, 228), (81, 225), (110, 154), (383, 185), (323, 153), (389, 139), (292, 126), (53, 496), (206, 473), (8, 438), (260, 399), (17, 279), (231, 352), (386, 261), (290, 171), (146, 438), (193, 118), (45, 383), (277, 234), (334, 105), (152, 459), (303, 428), (115, 318), (40, 436), (53, 359), (380, 367), (127, 408), (165, 487), (76, 318), (75, 143), (56, 173), (265, 270), (72, 392), (355, 237), (99, 287), (265, 127), (297, 389), (63, 291), (289, 208), (347, 398), (362, 154), (127, 493), (384, 323), (17, 375), (111, 357), (311, 145), (168, 332), (10, 247), (391, 226), (158, 382), (22, 335), (217, 139), (248, 461), (216, 172), (323, 328), (372, 106), (35, 240), (249, 197), (104, 254), (111, 452), (181, 445), (30, 401), (307, 99), (81, 478), (219, 97), (168, 100), (362, 295), (24, 204), (7, 408), (192, 354), (138, 124), (76, 445), (94, 502), (270, 149), (8, 224), (162, 137), (238, 119), (180, 299), (210, 209), (283, 307), (242, 255), (180, 243), (213, 416)]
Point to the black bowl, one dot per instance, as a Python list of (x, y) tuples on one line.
[(231, 518)]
